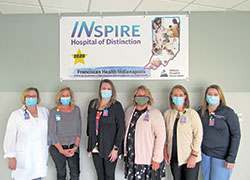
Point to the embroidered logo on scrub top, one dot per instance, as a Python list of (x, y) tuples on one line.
[(219, 116)]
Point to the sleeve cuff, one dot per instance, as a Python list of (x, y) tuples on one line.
[(230, 160), (55, 142), (10, 155), (158, 159), (194, 148)]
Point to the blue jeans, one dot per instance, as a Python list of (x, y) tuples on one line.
[(214, 168)]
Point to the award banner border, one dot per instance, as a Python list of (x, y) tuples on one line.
[(124, 47)]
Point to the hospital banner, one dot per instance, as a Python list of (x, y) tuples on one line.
[(124, 47)]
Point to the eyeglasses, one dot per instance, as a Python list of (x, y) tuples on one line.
[(28, 96)]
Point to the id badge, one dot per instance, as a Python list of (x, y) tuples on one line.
[(211, 122), (58, 117), (26, 116), (183, 120), (105, 112), (146, 118)]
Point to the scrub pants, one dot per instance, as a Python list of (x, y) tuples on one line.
[(214, 168)]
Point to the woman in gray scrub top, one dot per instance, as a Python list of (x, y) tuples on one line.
[(65, 129)]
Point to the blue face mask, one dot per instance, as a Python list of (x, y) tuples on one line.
[(178, 101), (106, 94), (31, 101), (65, 100), (212, 100)]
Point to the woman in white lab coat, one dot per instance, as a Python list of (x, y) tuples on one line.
[(25, 143)]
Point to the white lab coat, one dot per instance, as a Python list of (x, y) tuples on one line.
[(26, 140)]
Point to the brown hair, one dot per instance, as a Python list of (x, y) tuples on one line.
[(142, 87), (205, 104), (24, 94), (58, 96), (186, 103), (97, 103)]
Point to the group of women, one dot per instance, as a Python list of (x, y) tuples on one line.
[(182, 138)]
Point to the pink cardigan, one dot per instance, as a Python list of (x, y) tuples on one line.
[(150, 136)]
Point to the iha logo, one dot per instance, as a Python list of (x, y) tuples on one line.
[(94, 30)]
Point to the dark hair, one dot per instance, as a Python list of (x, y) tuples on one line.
[(175, 21), (157, 19)]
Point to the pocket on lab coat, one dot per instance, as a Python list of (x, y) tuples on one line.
[(20, 147), (21, 159)]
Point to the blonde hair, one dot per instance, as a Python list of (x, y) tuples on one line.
[(186, 103), (97, 103), (205, 104), (59, 94), (24, 94), (144, 88)]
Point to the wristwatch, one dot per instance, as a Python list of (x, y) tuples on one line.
[(116, 148), (195, 155), (75, 146)]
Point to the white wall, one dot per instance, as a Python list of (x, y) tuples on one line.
[(239, 101)]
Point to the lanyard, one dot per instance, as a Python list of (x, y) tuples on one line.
[(211, 119), (26, 114), (98, 117)]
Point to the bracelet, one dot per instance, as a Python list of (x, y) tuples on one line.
[(195, 155)]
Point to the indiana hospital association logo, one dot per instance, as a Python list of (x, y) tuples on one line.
[(165, 43), (79, 57)]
